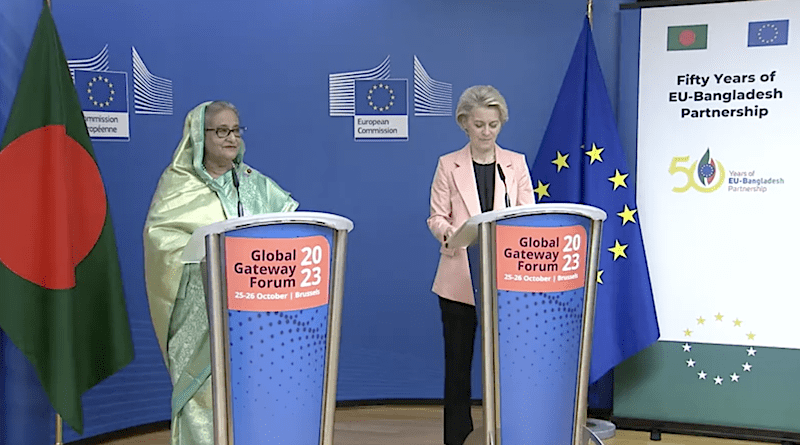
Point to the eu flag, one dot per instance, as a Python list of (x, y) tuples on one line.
[(381, 97), (770, 33), (581, 161), (102, 90)]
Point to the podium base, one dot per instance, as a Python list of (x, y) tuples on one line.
[(602, 429), (477, 436)]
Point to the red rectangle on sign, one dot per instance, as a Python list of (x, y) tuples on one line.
[(541, 259), (277, 274)]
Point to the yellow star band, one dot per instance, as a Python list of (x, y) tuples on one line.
[(560, 161), (618, 179), (594, 154)]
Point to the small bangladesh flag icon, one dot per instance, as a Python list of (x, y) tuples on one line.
[(687, 37)]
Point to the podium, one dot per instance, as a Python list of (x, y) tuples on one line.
[(535, 270), (274, 286)]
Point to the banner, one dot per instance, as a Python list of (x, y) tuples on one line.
[(717, 152)]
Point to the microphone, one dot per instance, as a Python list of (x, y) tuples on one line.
[(235, 177), (503, 178)]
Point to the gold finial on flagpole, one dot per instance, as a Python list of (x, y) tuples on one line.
[(59, 426), (588, 11)]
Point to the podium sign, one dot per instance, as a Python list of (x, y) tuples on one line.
[(274, 286), (538, 271), (538, 259), (277, 274)]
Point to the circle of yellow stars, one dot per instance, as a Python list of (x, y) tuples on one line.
[(376, 88), (111, 92), (619, 179)]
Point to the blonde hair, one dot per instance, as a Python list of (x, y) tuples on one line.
[(480, 96)]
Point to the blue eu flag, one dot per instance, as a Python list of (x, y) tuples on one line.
[(581, 161), (381, 97), (102, 90), (770, 33)]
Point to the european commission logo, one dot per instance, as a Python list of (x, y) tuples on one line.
[(103, 90), (431, 97), (379, 104), (103, 96), (151, 94), (381, 109)]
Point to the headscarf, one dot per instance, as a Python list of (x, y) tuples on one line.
[(185, 199)]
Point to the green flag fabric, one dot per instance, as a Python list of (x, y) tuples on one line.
[(61, 298), (681, 38)]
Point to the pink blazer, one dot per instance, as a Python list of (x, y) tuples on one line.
[(454, 198)]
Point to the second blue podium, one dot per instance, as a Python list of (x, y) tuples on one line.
[(535, 272)]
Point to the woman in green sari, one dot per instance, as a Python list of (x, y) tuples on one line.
[(198, 188)]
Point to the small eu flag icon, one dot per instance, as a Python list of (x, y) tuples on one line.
[(770, 33)]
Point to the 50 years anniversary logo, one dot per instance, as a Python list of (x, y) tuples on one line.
[(709, 175), (706, 177)]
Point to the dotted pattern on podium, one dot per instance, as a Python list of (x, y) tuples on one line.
[(277, 362), (280, 371), (538, 348)]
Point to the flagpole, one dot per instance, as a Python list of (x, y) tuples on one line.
[(59, 423), (597, 429), (59, 430)]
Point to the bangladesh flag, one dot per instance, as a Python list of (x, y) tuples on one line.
[(687, 37), (61, 299)]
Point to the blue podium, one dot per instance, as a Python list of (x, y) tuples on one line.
[(534, 269), (274, 286)]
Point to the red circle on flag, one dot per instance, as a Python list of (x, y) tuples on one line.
[(54, 206), (687, 37)]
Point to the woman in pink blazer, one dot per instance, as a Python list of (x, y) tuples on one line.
[(467, 182)]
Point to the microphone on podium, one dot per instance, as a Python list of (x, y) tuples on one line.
[(235, 178), (503, 178)]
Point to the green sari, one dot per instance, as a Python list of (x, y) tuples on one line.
[(187, 198)]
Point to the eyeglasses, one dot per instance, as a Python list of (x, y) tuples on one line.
[(223, 132)]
